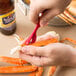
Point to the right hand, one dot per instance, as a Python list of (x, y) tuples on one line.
[(51, 8)]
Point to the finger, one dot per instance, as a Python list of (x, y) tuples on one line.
[(49, 14), (35, 10), (31, 59), (35, 60), (34, 51)]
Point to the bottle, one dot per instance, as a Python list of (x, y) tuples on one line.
[(7, 17), (27, 1)]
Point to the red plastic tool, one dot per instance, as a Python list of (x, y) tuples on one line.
[(32, 37)]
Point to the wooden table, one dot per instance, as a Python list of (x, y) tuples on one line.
[(24, 28)]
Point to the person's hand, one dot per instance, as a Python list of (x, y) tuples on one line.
[(49, 8), (52, 54)]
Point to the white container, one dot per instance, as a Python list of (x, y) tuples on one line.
[(23, 7), (56, 21)]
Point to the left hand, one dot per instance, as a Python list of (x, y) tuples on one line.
[(52, 54)]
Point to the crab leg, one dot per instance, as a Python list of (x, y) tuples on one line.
[(17, 69), (40, 71), (69, 39), (45, 42), (12, 60), (52, 69), (37, 73), (39, 43), (32, 74)]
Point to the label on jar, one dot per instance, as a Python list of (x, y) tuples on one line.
[(6, 20)]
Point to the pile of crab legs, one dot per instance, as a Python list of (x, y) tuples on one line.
[(33, 70), (21, 68)]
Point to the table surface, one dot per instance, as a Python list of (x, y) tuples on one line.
[(24, 28)]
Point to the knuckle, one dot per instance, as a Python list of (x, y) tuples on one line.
[(32, 50), (45, 63), (40, 63), (44, 20), (47, 18), (58, 11)]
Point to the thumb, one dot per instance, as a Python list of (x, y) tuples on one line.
[(35, 51)]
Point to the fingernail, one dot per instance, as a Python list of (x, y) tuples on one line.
[(44, 23)]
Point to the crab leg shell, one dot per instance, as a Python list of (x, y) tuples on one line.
[(17, 69), (52, 69), (12, 60)]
